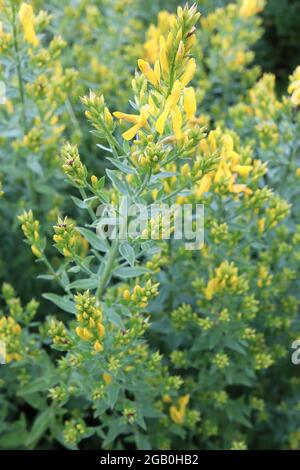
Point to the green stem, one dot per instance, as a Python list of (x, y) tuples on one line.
[(170, 300), (144, 184), (108, 268), (53, 272), (19, 68), (89, 208)]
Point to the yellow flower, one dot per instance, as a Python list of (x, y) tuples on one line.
[(242, 170), (171, 106), (36, 251), (261, 223), (177, 122), (167, 399), (188, 73), (26, 17), (240, 188), (183, 401), (211, 288), (83, 333), (251, 8), (161, 121), (98, 346), (178, 413), (189, 102), (204, 185), (139, 121), (152, 76), (163, 57), (107, 378)]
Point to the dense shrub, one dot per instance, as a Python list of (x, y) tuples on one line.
[(141, 342)]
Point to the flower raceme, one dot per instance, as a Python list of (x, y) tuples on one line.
[(26, 17), (230, 166), (168, 79), (89, 318)]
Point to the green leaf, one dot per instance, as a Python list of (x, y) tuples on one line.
[(142, 441), (41, 384), (40, 425), (63, 303), (126, 272), (116, 428), (79, 203), (117, 182), (127, 252), (122, 166), (89, 283), (113, 393), (234, 345), (15, 435), (93, 239)]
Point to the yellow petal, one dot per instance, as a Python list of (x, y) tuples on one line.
[(175, 94), (190, 102), (157, 70), (176, 415), (134, 118), (131, 133), (242, 170), (147, 72), (107, 378), (161, 121), (163, 58), (188, 73), (177, 122), (204, 185)]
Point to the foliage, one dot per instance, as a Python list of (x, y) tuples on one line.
[(139, 342)]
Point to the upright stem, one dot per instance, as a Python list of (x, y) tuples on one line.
[(54, 274), (89, 208), (113, 253), (108, 268), (170, 300), (19, 68)]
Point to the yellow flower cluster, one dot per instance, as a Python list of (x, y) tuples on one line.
[(294, 88), (10, 332), (264, 277), (226, 278), (72, 165), (31, 230), (89, 316), (67, 240), (263, 98), (228, 169), (221, 360), (251, 7), (26, 17), (141, 295)]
